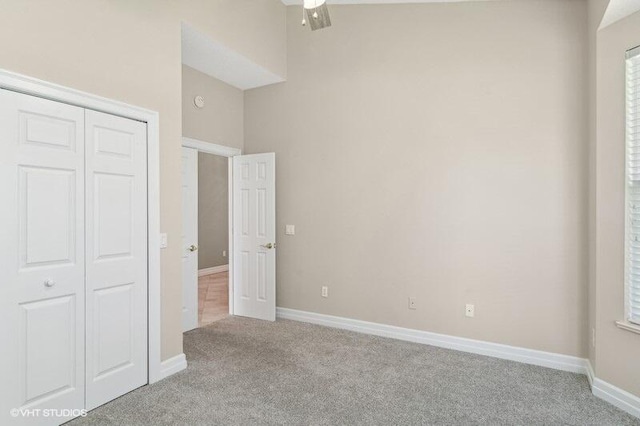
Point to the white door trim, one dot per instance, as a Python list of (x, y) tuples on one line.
[(210, 148), (189, 238), (32, 86), (229, 152)]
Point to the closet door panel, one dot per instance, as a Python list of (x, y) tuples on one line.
[(116, 240), (41, 257)]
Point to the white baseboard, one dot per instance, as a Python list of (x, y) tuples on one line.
[(172, 366), (616, 396), (213, 270), (497, 350), (613, 395)]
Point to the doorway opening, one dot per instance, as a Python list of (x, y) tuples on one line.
[(207, 246), (213, 238), (251, 249)]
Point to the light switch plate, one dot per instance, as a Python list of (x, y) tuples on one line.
[(163, 241), (290, 230)]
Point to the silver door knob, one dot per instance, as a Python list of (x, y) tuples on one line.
[(269, 246), (49, 283), (193, 248)]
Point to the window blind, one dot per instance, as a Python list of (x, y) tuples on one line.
[(632, 222)]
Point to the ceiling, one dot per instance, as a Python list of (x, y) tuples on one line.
[(294, 2), (619, 9), (205, 54), (616, 9)]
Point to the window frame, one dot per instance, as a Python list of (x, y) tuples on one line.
[(631, 55)]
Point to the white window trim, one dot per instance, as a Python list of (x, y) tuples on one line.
[(630, 322), (625, 325)]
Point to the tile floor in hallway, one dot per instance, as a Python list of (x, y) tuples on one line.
[(213, 298)]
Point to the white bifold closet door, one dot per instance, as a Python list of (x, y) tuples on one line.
[(73, 257), (42, 257), (116, 256)]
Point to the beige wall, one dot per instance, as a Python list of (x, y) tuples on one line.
[(130, 51), (436, 151), (595, 11), (616, 350), (484, 202), (221, 119), (213, 210)]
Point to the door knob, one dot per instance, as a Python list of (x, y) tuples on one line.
[(49, 283), (269, 246), (193, 248)]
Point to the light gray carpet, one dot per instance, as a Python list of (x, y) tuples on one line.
[(244, 372)]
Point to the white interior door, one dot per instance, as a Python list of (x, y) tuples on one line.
[(42, 259), (116, 256), (189, 239), (254, 236)]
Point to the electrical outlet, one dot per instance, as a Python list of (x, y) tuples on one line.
[(325, 291), (290, 230), (470, 311), (412, 303), (224, 253)]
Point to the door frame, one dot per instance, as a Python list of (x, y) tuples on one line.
[(229, 152), (42, 89)]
